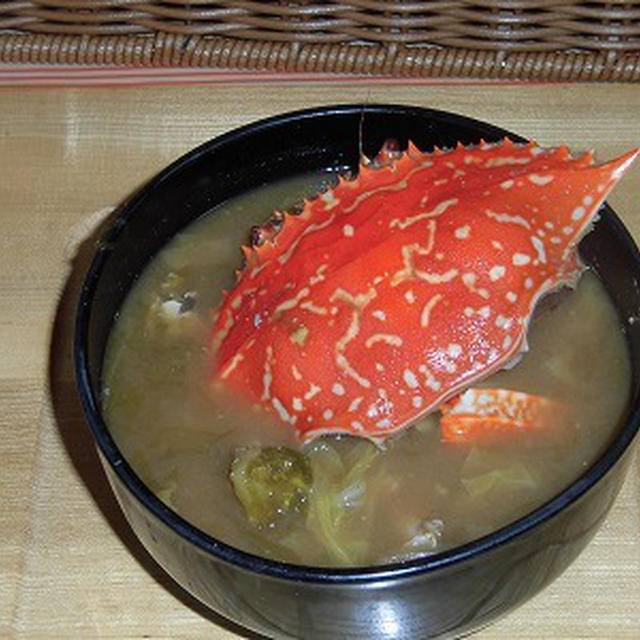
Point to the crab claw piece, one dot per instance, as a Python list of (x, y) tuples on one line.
[(478, 413), (396, 290)]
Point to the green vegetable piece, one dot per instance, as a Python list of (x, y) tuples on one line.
[(272, 484), (513, 477), (338, 494), (167, 493)]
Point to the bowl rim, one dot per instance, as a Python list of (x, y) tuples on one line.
[(209, 545)]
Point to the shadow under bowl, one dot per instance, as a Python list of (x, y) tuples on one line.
[(444, 595)]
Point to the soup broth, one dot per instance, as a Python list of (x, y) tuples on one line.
[(367, 505)]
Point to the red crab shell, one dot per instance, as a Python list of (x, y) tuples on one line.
[(390, 293)]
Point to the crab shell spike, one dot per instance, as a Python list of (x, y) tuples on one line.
[(396, 290), (413, 151)]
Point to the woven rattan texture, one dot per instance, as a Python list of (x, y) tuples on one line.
[(553, 39)]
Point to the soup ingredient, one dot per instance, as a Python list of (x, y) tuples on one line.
[(338, 497), (180, 435), (320, 490), (504, 480), (272, 484), (425, 539), (391, 292), (488, 412), (488, 475)]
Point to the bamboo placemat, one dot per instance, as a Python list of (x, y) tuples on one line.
[(69, 565)]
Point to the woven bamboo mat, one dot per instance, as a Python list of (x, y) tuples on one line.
[(550, 40)]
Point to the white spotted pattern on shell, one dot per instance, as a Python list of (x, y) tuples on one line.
[(396, 290)]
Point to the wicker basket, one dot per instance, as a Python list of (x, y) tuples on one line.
[(521, 39)]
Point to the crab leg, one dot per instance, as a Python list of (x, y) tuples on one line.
[(478, 413)]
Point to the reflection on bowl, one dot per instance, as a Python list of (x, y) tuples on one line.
[(449, 593)]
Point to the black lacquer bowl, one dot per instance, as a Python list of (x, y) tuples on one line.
[(444, 595)]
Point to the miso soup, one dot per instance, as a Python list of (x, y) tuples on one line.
[(353, 503)]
